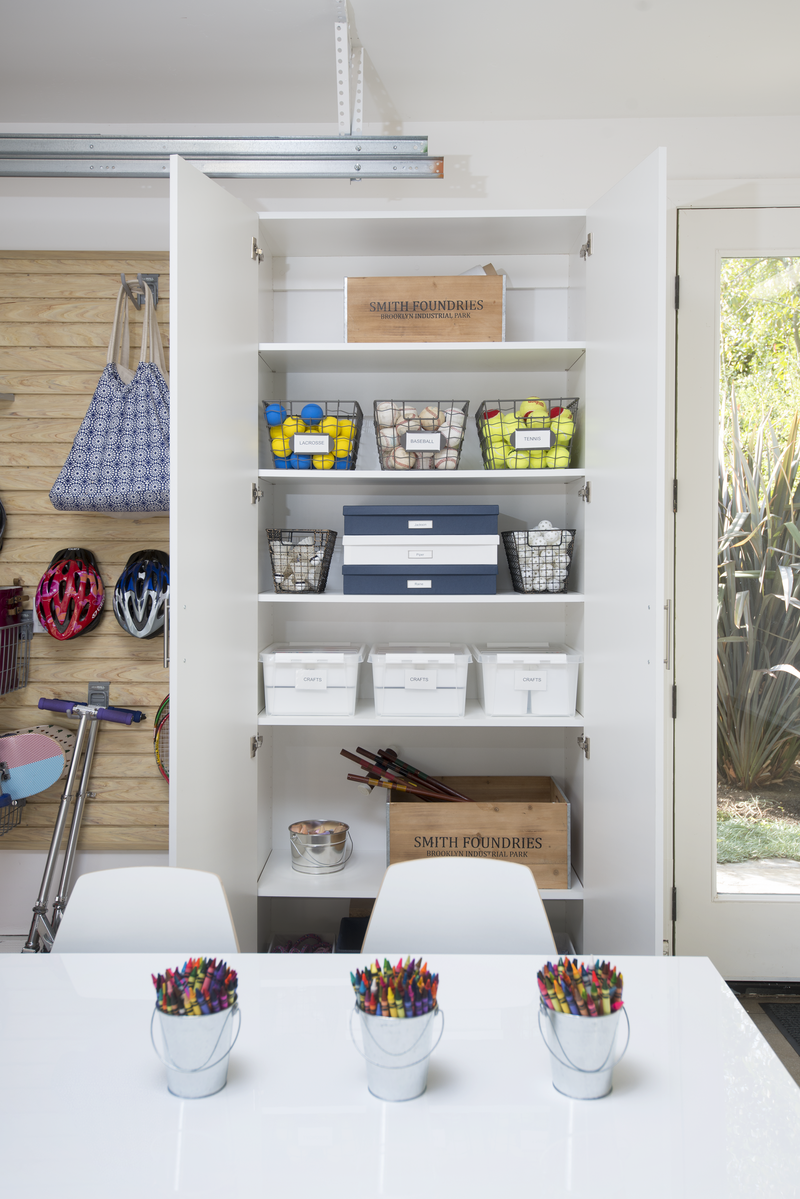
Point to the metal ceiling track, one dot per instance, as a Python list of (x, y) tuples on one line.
[(343, 157)]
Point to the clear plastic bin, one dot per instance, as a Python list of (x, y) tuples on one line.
[(527, 678), (420, 680), (304, 678)]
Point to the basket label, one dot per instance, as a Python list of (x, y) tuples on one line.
[(311, 443), (418, 679), (530, 680), (420, 553), (422, 441), (420, 524), (311, 680), (418, 584), (532, 439)]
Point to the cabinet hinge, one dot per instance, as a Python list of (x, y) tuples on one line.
[(586, 248), (666, 951), (674, 495), (585, 492), (255, 745), (256, 253), (677, 292), (674, 700), (256, 494), (583, 743), (674, 904)]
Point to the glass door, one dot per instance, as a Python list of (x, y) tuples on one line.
[(737, 600)]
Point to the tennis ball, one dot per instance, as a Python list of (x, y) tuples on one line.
[(563, 426), (495, 455), (509, 423), (292, 425), (312, 414), (330, 426), (324, 461), (557, 458), (538, 458), (274, 414), (518, 460), (341, 447), (281, 447)]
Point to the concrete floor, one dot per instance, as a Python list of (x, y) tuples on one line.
[(766, 876)]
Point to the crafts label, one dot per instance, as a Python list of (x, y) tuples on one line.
[(420, 553), (311, 443), (531, 439), (420, 680), (530, 680), (418, 584), (422, 441), (420, 524), (311, 680)]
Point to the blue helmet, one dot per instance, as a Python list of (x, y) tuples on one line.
[(141, 592)]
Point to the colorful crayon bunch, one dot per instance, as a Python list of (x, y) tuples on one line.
[(407, 989), (581, 990), (202, 987)]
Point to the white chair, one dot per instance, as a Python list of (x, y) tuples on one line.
[(144, 909), (458, 905)]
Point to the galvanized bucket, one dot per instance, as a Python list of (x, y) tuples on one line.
[(196, 1050), (581, 1050), (318, 846), (396, 1052)]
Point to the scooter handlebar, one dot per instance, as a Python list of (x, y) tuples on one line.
[(115, 715), (57, 705)]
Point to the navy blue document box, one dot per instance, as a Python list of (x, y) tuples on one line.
[(395, 520), (437, 580)]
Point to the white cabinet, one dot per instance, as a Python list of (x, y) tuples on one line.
[(592, 329)]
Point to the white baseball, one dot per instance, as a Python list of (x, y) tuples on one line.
[(408, 424), (452, 435), (403, 459), (445, 460), (430, 418), (387, 438), (387, 412), (454, 416)]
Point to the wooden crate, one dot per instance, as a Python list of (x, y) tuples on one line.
[(425, 308), (513, 819)]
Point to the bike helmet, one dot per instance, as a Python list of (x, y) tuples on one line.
[(141, 592), (70, 594)]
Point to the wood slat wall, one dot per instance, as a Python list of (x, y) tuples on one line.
[(56, 312)]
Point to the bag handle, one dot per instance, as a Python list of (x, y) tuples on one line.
[(119, 347), (152, 349)]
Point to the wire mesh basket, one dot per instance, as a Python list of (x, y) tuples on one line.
[(539, 559), (301, 558), (10, 813), (15, 653), (314, 436), (428, 437), (530, 434)]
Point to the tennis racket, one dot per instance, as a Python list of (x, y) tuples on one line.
[(161, 739)]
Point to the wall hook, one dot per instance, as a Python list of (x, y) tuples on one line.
[(138, 296)]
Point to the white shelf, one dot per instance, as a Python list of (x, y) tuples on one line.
[(336, 597), (475, 718), (447, 357), (360, 879), (350, 478)]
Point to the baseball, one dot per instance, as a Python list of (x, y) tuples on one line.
[(445, 460), (430, 418)]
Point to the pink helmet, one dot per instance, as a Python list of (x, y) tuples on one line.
[(70, 594)]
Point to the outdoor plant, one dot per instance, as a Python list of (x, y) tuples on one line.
[(758, 609)]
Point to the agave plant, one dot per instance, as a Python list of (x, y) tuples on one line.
[(758, 609)]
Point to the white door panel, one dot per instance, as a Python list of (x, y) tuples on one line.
[(213, 530)]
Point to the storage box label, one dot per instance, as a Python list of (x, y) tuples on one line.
[(420, 524), (422, 441), (311, 680), (418, 584), (420, 680), (531, 439), (420, 553), (311, 443), (530, 680)]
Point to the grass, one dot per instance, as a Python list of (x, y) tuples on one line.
[(742, 839)]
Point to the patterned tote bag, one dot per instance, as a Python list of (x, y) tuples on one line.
[(119, 461)]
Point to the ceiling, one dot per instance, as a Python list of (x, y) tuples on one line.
[(260, 63)]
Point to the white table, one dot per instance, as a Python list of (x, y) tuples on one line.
[(701, 1107)]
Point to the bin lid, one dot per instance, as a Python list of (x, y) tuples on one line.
[(313, 651), (433, 651), (528, 652), (421, 509)]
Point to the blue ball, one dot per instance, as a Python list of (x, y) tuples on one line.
[(293, 461), (303, 461), (275, 414), (311, 414), (281, 463), (342, 463)]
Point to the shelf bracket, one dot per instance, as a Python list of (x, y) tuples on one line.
[(585, 492), (583, 743), (255, 745), (349, 76), (256, 494)]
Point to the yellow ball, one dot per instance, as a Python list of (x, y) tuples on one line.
[(330, 426), (342, 447), (538, 458), (509, 423), (346, 429), (518, 460), (563, 426), (281, 447), (323, 461), (291, 425), (557, 458), (276, 432), (312, 429), (495, 454)]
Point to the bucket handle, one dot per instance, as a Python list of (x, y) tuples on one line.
[(404, 1065), (314, 861), (208, 1064), (571, 1065)]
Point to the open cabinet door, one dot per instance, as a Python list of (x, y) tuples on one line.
[(213, 538), (624, 676)]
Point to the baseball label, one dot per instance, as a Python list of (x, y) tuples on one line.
[(422, 441)]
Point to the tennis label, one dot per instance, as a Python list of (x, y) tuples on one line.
[(420, 524), (532, 439), (419, 584), (420, 680), (420, 553), (422, 441), (530, 680), (311, 680), (311, 443)]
